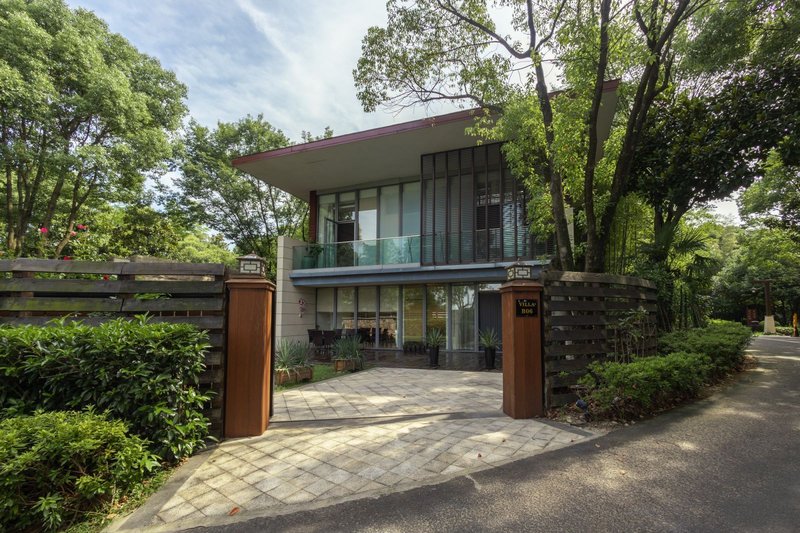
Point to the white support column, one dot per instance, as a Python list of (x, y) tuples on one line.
[(291, 320)]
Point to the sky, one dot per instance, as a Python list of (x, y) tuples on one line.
[(290, 60)]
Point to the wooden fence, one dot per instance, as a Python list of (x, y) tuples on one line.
[(34, 291), (589, 317)]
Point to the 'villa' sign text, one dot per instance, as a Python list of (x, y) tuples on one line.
[(527, 308)]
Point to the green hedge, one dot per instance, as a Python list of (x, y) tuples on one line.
[(56, 466), (723, 342), (691, 359), (143, 373)]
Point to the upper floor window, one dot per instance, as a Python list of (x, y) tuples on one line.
[(474, 210)]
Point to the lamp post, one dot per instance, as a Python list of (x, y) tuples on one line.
[(253, 265), (769, 318)]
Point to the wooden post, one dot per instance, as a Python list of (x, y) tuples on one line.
[(248, 370), (523, 379)]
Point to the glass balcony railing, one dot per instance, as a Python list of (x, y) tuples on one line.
[(388, 251)]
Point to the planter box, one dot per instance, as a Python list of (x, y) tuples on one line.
[(296, 375), (343, 365)]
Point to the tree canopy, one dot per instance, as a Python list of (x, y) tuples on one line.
[(84, 117), (246, 211), (443, 49)]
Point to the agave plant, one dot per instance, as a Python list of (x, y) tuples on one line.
[(347, 348), (291, 354)]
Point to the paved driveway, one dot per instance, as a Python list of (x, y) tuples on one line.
[(368, 433)]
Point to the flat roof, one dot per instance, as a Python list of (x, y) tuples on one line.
[(376, 155)]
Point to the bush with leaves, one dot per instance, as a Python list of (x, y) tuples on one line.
[(724, 342), (143, 373), (56, 466), (643, 386), (291, 354), (691, 359)]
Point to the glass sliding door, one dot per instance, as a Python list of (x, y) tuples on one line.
[(345, 308), (389, 305), (325, 309), (462, 317), (367, 307), (436, 309), (413, 306)]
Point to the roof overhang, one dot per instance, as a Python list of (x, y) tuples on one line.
[(376, 155)]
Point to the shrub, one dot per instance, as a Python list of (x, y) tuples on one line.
[(645, 385), (690, 359), (56, 466), (291, 354), (347, 348), (723, 342), (143, 373)]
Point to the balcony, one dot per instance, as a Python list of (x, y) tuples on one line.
[(388, 251)]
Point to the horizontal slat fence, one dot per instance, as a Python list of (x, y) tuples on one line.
[(582, 313), (35, 291)]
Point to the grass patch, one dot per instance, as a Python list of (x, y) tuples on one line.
[(97, 520)]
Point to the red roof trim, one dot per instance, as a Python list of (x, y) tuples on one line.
[(383, 131)]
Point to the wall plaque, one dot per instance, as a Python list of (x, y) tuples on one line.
[(527, 307)]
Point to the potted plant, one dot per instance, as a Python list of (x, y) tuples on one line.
[(347, 354), (434, 339), (311, 256), (489, 341), (291, 363)]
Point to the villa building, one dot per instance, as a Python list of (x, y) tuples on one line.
[(412, 227)]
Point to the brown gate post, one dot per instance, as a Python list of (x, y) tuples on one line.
[(523, 379), (248, 372)]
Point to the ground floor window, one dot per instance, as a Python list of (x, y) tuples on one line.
[(400, 316)]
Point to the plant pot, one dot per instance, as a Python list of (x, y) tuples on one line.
[(489, 355), (295, 375), (433, 356), (308, 261), (343, 365)]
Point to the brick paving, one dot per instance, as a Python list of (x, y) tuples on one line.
[(376, 431)]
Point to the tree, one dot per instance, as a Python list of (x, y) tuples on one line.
[(246, 211), (446, 50), (698, 149), (762, 254), (774, 200), (83, 117), (141, 229)]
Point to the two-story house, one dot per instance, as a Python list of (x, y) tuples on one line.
[(412, 227)]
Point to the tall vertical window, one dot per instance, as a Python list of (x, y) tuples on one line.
[(436, 306), (325, 309), (326, 220), (367, 307), (367, 214), (345, 308), (391, 249), (411, 208), (472, 208), (413, 305), (388, 317), (462, 317)]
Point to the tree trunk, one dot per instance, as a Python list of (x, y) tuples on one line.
[(563, 245), (595, 260)]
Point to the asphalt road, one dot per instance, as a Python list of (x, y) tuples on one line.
[(727, 463)]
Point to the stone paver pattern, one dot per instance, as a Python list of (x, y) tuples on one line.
[(392, 392), (453, 427)]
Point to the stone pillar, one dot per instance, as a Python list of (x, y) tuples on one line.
[(523, 365), (249, 352)]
